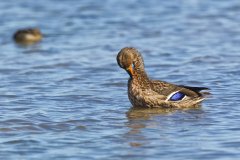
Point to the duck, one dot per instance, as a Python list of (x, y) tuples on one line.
[(147, 93), (28, 36)]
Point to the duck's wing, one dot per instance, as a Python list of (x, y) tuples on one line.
[(197, 90), (177, 93)]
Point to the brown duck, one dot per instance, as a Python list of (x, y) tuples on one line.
[(144, 92), (28, 36)]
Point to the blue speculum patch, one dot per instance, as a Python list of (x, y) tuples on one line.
[(177, 96)]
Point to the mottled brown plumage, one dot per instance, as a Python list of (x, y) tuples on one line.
[(27, 36), (144, 92)]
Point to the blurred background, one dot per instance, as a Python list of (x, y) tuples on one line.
[(66, 98)]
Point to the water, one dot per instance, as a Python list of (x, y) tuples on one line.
[(66, 98)]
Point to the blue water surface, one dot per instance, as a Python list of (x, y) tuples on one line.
[(66, 97)]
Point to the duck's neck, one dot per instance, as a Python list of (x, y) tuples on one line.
[(139, 71)]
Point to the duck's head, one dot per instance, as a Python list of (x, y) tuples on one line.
[(129, 59)]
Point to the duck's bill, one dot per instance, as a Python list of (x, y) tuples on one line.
[(130, 71)]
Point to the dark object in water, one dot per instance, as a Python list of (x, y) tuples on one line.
[(28, 36)]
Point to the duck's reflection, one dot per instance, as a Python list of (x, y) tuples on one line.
[(147, 113), (140, 119)]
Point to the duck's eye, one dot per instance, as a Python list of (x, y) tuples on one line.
[(177, 96)]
